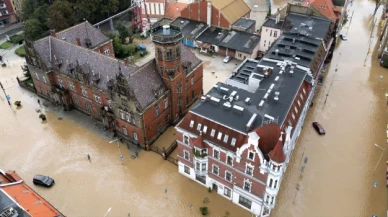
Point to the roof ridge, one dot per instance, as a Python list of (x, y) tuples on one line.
[(72, 27), (89, 50)]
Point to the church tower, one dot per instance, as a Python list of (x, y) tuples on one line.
[(167, 40)]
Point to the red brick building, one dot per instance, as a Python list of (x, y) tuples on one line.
[(7, 13), (76, 68), (239, 138), (217, 13)]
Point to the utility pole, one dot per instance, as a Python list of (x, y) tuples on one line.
[(6, 96)]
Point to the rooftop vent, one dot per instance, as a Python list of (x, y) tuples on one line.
[(310, 28), (303, 24), (227, 105), (215, 100), (269, 117), (276, 98), (248, 100), (10, 212), (291, 72), (277, 52), (238, 109), (250, 122), (166, 29), (225, 90)]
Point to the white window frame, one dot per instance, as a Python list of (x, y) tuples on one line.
[(213, 132), (246, 169), (214, 155), (128, 117), (233, 142), (219, 136), (226, 160), (188, 169), (97, 98), (186, 139), (125, 131), (199, 127), (218, 169), (192, 80), (107, 52), (135, 136), (165, 103), (191, 124), (71, 85), (230, 192), (275, 184), (122, 114), (296, 110), (226, 138), (250, 185), (188, 155), (84, 92), (249, 154), (204, 129), (231, 176)]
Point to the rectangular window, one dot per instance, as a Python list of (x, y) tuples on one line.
[(226, 137), (270, 183), (157, 109), (247, 186), (301, 96), (71, 86), (165, 103), (216, 154), (249, 170), (178, 51), (179, 101), (251, 155), (293, 116), (198, 166), (204, 129), (228, 176), (179, 88), (300, 105), (186, 140), (233, 143), (213, 133), (186, 155), (191, 124), (192, 80), (276, 184), (187, 170), (219, 136), (122, 114), (275, 34), (215, 169), (84, 92), (227, 192), (125, 131), (203, 167), (245, 202), (169, 54), (270, 33), (128, 117), (199, 126), (272, 199), (88, 107), (229, 160), (135, 136), (160, 56), (107, 52)]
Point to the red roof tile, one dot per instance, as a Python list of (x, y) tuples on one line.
[(277, 153), (173, 10), (12, 176), (269, 136), (325, 7)]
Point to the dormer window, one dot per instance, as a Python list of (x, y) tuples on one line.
[(199, 126), (226, 137), (204, 129), (233, 143), (219, 136), (191, 124), (213, 133)]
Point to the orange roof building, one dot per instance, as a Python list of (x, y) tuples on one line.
[(325, 7), (16, 197), (173, 9)]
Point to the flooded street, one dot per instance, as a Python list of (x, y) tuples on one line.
[(336, 181)]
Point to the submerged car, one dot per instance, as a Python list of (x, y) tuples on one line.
[(226, 59), (43, 181), (343, 37), (318, 127)]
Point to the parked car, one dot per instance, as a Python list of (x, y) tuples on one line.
[(226, 59), (318, 127), (43, 181), (343, 37)]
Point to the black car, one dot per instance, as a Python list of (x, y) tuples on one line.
[(318, 127), (43, 181)]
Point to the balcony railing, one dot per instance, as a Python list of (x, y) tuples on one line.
[(167, 38)]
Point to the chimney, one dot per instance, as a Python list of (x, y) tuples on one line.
[(209, 13), (277, 52), (78, 41), (53, 33)]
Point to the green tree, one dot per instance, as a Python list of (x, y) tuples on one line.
[(108, 7), (32, 30), (87, 9), (61, 15), (123, 31), (29, 6), (41, 14)]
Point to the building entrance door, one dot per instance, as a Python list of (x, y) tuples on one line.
[(215, 187)]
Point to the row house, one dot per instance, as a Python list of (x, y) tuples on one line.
[(138, 103), (239, 138), (7, 13)]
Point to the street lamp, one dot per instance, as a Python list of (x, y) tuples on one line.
[(108, 211), (118, 145)]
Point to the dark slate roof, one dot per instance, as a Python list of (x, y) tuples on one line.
[(144, 81), (286, 85), (240, 41), (6, 202), (190, 28), (212, 35), (82, 31), (299, 49), (244, 23), (188, 56), (271, 22), (91, 60), (307, 25)]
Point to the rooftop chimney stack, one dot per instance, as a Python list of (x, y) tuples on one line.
[(166, 29), (78, 41), (53, 33)]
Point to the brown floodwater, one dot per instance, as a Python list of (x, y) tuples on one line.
[(336, 181)]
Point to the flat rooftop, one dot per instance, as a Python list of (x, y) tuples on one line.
[(315, 27), (299, 49), (271, 22), (240, 41), (212, 35), (236, 104), (190, 28)]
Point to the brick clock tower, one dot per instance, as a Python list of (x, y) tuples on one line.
[(167, 40)]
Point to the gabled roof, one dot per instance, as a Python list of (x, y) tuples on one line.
[(173, 9), (269, 136), (213, 35), (325, 7), (83, 31), (188, 56), (231, 9)]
